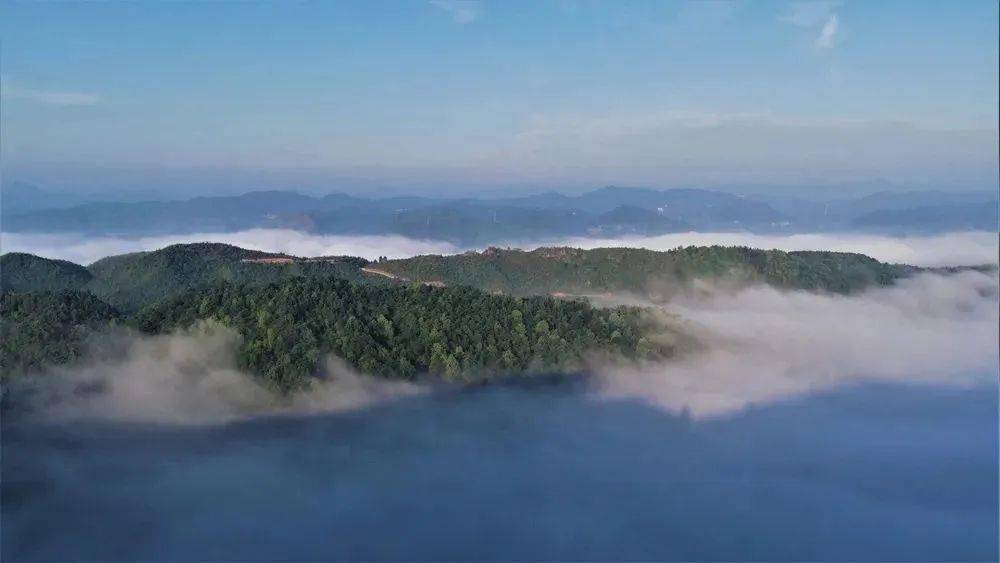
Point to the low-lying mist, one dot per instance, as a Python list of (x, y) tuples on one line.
[(751, 345), (760, 343), (949, 249), (188, 377), (803, 427)]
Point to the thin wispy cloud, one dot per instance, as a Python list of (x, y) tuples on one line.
[(819, 17), (828, 35), (12, 90), (461, 11)]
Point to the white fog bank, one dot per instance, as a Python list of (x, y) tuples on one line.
[(755, 347), (808, 427), (191, 377), (949, 249), (85, 250), (763, 345)]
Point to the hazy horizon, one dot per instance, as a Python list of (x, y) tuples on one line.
[(468, 98), (375, 190)]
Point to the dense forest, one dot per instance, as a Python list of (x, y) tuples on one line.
[(27, 272), (133, 280), (48, 328), (130, 281), (464, 316), (403, 331), (398, 331), (575, 271)]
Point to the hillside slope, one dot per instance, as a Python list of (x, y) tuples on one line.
[(131, 281), (397, 318), (398, 332), (455, 332), (27, 272), (45, 328), (570, 270)]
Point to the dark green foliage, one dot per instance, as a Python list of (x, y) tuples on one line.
[(570, 270), (47, 328), (402, 331), (130, 281), (290, 311), (27, 272)]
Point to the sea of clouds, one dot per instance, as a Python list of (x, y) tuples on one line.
[(761, 344), (754, 345), (804, 426), (949, 249)]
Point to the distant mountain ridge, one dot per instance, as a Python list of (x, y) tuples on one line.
[(606, 212)]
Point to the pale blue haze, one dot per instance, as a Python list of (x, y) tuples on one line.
[(453, 96)]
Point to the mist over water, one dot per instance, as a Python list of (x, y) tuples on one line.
[(760, 344), (189, 377), (802, 427), (871, 472)]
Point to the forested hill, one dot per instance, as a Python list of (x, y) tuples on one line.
[(44, 328), (291, 311), (398, 332), (131, 281), (404, 331), (387, 317), (575, 271), (27, 272)]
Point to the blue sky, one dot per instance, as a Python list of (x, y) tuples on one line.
[(461, 96)]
